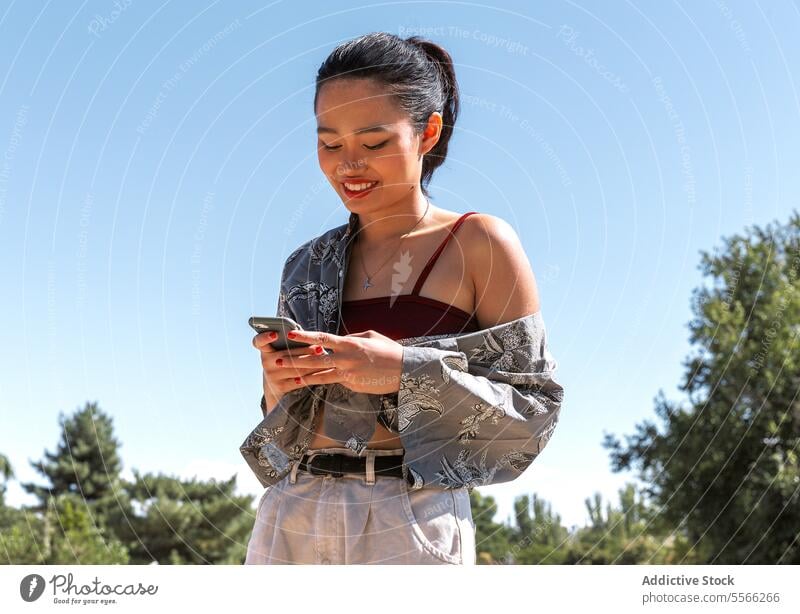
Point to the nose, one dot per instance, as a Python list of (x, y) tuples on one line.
[(350, 169)]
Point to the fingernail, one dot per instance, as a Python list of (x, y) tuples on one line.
[(290, 334), (273, 335), (296, 380), (318, 349), (279, 362)]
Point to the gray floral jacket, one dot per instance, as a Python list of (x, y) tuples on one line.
[(472, 409)]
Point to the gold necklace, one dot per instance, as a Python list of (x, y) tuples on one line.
[(367, 283)]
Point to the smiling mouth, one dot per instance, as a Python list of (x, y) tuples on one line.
[(358, 185), (358, 188)]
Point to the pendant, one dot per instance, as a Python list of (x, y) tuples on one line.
[(366, 283)]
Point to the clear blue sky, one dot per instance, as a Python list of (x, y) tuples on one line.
[(158, 164)]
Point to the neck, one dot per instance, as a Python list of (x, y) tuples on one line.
[(388, 223)]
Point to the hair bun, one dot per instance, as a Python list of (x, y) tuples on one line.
[(438, 55)]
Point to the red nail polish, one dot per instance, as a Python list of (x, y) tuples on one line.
[(318, 349), (290, 334), (279, 362), (296, 380)]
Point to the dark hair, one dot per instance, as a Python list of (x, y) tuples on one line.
[(418, 72)]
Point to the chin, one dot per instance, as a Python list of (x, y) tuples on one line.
[(358, 206)]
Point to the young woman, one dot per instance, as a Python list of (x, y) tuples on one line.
[(385, 109)]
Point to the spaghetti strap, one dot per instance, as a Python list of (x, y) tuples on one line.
[(432, 260)]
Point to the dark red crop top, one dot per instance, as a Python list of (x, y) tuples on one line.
[(411, 315)]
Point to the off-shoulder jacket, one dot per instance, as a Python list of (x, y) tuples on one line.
[(472, 409)]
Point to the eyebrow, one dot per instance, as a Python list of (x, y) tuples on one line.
[(378, 128)]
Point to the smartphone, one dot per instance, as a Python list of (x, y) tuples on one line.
[(280, 325)]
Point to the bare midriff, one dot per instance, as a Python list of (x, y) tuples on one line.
[(382, 438)]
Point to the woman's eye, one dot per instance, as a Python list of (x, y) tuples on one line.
[(378, 146), (371, 147)]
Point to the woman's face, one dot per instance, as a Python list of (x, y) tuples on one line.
[(389, 155)]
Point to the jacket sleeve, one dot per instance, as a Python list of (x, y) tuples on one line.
[(479, 410), (264, 448)]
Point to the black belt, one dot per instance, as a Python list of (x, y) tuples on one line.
[(328, 463)]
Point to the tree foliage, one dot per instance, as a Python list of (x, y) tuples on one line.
[(87, 513), (723, 468)]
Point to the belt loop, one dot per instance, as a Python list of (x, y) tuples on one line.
[(309, 457), (370, 466), (293, 473)]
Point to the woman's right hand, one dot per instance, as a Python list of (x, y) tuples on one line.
[(280, 379)]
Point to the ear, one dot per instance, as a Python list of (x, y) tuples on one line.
[(431, 134)]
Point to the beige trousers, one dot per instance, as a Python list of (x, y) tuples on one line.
[(360, 519)]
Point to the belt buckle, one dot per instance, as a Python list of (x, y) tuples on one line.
[(337, 464)]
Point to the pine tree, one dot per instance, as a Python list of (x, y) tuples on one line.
[(6, 474), (538, 537), (178, 521), (492, 540), (86, 462), (76, 539)]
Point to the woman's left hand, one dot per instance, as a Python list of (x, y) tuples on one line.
[(363, 362)]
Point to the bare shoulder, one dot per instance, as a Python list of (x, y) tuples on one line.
[(505, 286), (486, 230)]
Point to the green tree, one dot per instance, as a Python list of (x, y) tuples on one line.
[(723, 468), (86, 462), (627, 534), (6, 474), (64, 534), (64, 527), (492, 540), (15, 543), (538, 536), (174, 521), (76, 538), (87, 513)]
